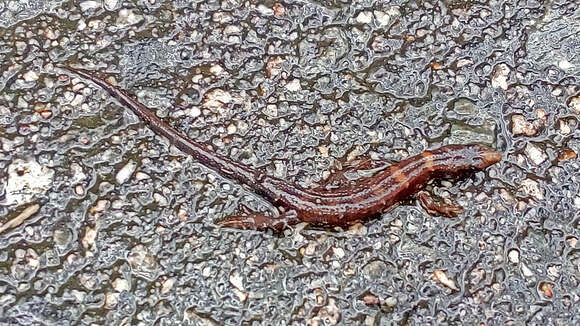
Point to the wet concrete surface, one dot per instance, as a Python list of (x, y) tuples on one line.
[(105, 223)]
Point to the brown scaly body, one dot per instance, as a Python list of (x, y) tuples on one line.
[(342, 206)]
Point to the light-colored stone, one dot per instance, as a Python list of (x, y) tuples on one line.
[(26, 179), (500, 76), (126, 172), (535, 154), (365, 17)]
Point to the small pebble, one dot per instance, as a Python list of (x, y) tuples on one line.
[(110, 4), (26, 179), (120, 285), (391, 301), (79, 190), (526, 271), (439, 275), (279, 9), (167, 285), (51, 34), (217, 98), (572, 242), (88, 240), (206, 272), (364, 17), (547, 289), (160, 199), (126, 171), (30, 76), (221, 17), (574, 104), (129, 17), (464, 62), (216, 70), (293, 85), (382, 18), (564, 127), (532, 188), (535, 154), (338, 252), (242, 296), (371, 300), (271, 110), (273, 66), (565, 65), (228, 30), (236, 280), (182, 213), (262, 9), (99, 207), (232, 129), (499, 78), (514, 256), (111, 300), (139, 176), (324, 151), (520, 126), (309, 250), (46, 114), (90, 4)]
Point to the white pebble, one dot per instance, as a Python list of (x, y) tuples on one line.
[(364, 17), (88, 240), (265, 10), (120, 285), (232, 129), (25, 180), (217, 98), (167, 285), (111, 4), (128, 17), (531, 188), (232, 29), (520, 126), (575, 104), (526, 271), (194, 112), (141, 176), (90, 4), (79, 190), (338, 252), (441, 276), (293, 85), (236, 280), (125, 173), (514, 256), (216, 70), (111, 300), (30, 76), (535, 154), (565, 65), (382, 18), (160, 199)]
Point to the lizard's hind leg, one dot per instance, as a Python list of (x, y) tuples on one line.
[(443, 207), (260, 221)]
